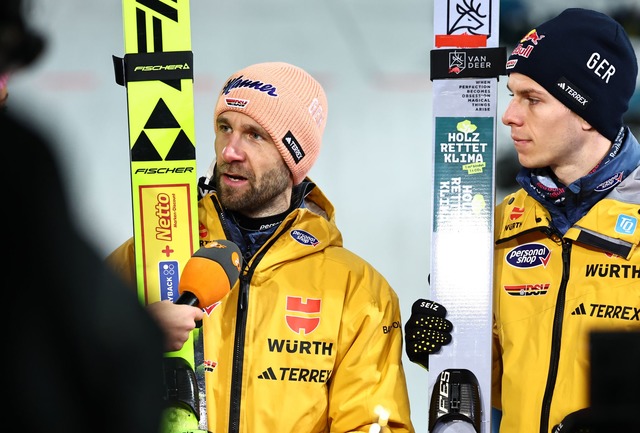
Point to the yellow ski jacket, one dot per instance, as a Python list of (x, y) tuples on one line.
[(310, 338), (550, 292)]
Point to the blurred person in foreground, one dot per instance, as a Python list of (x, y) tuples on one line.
[(84, 355), (567, 256), (4, 90), (309, 339)]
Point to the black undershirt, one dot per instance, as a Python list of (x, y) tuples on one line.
[(258, 224)]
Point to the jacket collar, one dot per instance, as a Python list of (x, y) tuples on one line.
[(568, 204)]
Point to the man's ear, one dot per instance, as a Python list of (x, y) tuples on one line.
[(586, 126)]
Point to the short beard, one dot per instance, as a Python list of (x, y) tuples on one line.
[(260, 198)]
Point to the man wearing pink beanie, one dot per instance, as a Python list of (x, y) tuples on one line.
[(309, 339)]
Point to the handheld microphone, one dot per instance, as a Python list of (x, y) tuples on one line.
[(210, 273)]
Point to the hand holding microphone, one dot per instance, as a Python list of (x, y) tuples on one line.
[(176, 322), (207, 277)]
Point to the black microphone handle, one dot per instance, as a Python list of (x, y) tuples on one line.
[(187, 298)]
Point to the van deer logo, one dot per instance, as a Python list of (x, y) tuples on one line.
[(467, 17)]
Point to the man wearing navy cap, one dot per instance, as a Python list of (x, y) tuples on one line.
[(566, 295), (567, 256)]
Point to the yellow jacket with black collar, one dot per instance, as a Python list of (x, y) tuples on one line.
[(309, 339), (550, 292)]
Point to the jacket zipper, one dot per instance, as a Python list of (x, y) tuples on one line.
[(556, 339), (235, 398), (236, 366)]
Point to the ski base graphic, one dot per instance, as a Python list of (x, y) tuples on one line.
[(157, 71), (465, 65)]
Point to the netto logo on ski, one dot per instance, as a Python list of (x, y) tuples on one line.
[(527, 289), (295, 374), (528, 256), (604, 311), (163, 213), (151, 68)]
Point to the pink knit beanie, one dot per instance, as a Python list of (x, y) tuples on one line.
[(287, 102)]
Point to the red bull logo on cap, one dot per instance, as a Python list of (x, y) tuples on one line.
[(532, 36), (523, 51)]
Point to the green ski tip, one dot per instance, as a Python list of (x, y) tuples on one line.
[(180, 420)]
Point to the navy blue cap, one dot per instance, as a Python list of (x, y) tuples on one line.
[(585, 60)]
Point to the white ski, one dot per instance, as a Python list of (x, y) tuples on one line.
[(465, 66)]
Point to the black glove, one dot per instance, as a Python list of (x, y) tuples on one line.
[(580, 421), (426, 331)]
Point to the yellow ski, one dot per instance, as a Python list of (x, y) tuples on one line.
[(157, 71)]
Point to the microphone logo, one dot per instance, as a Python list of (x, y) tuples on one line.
[(235, 257)]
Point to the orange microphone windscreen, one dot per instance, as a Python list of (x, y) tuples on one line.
[(211, 272)]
